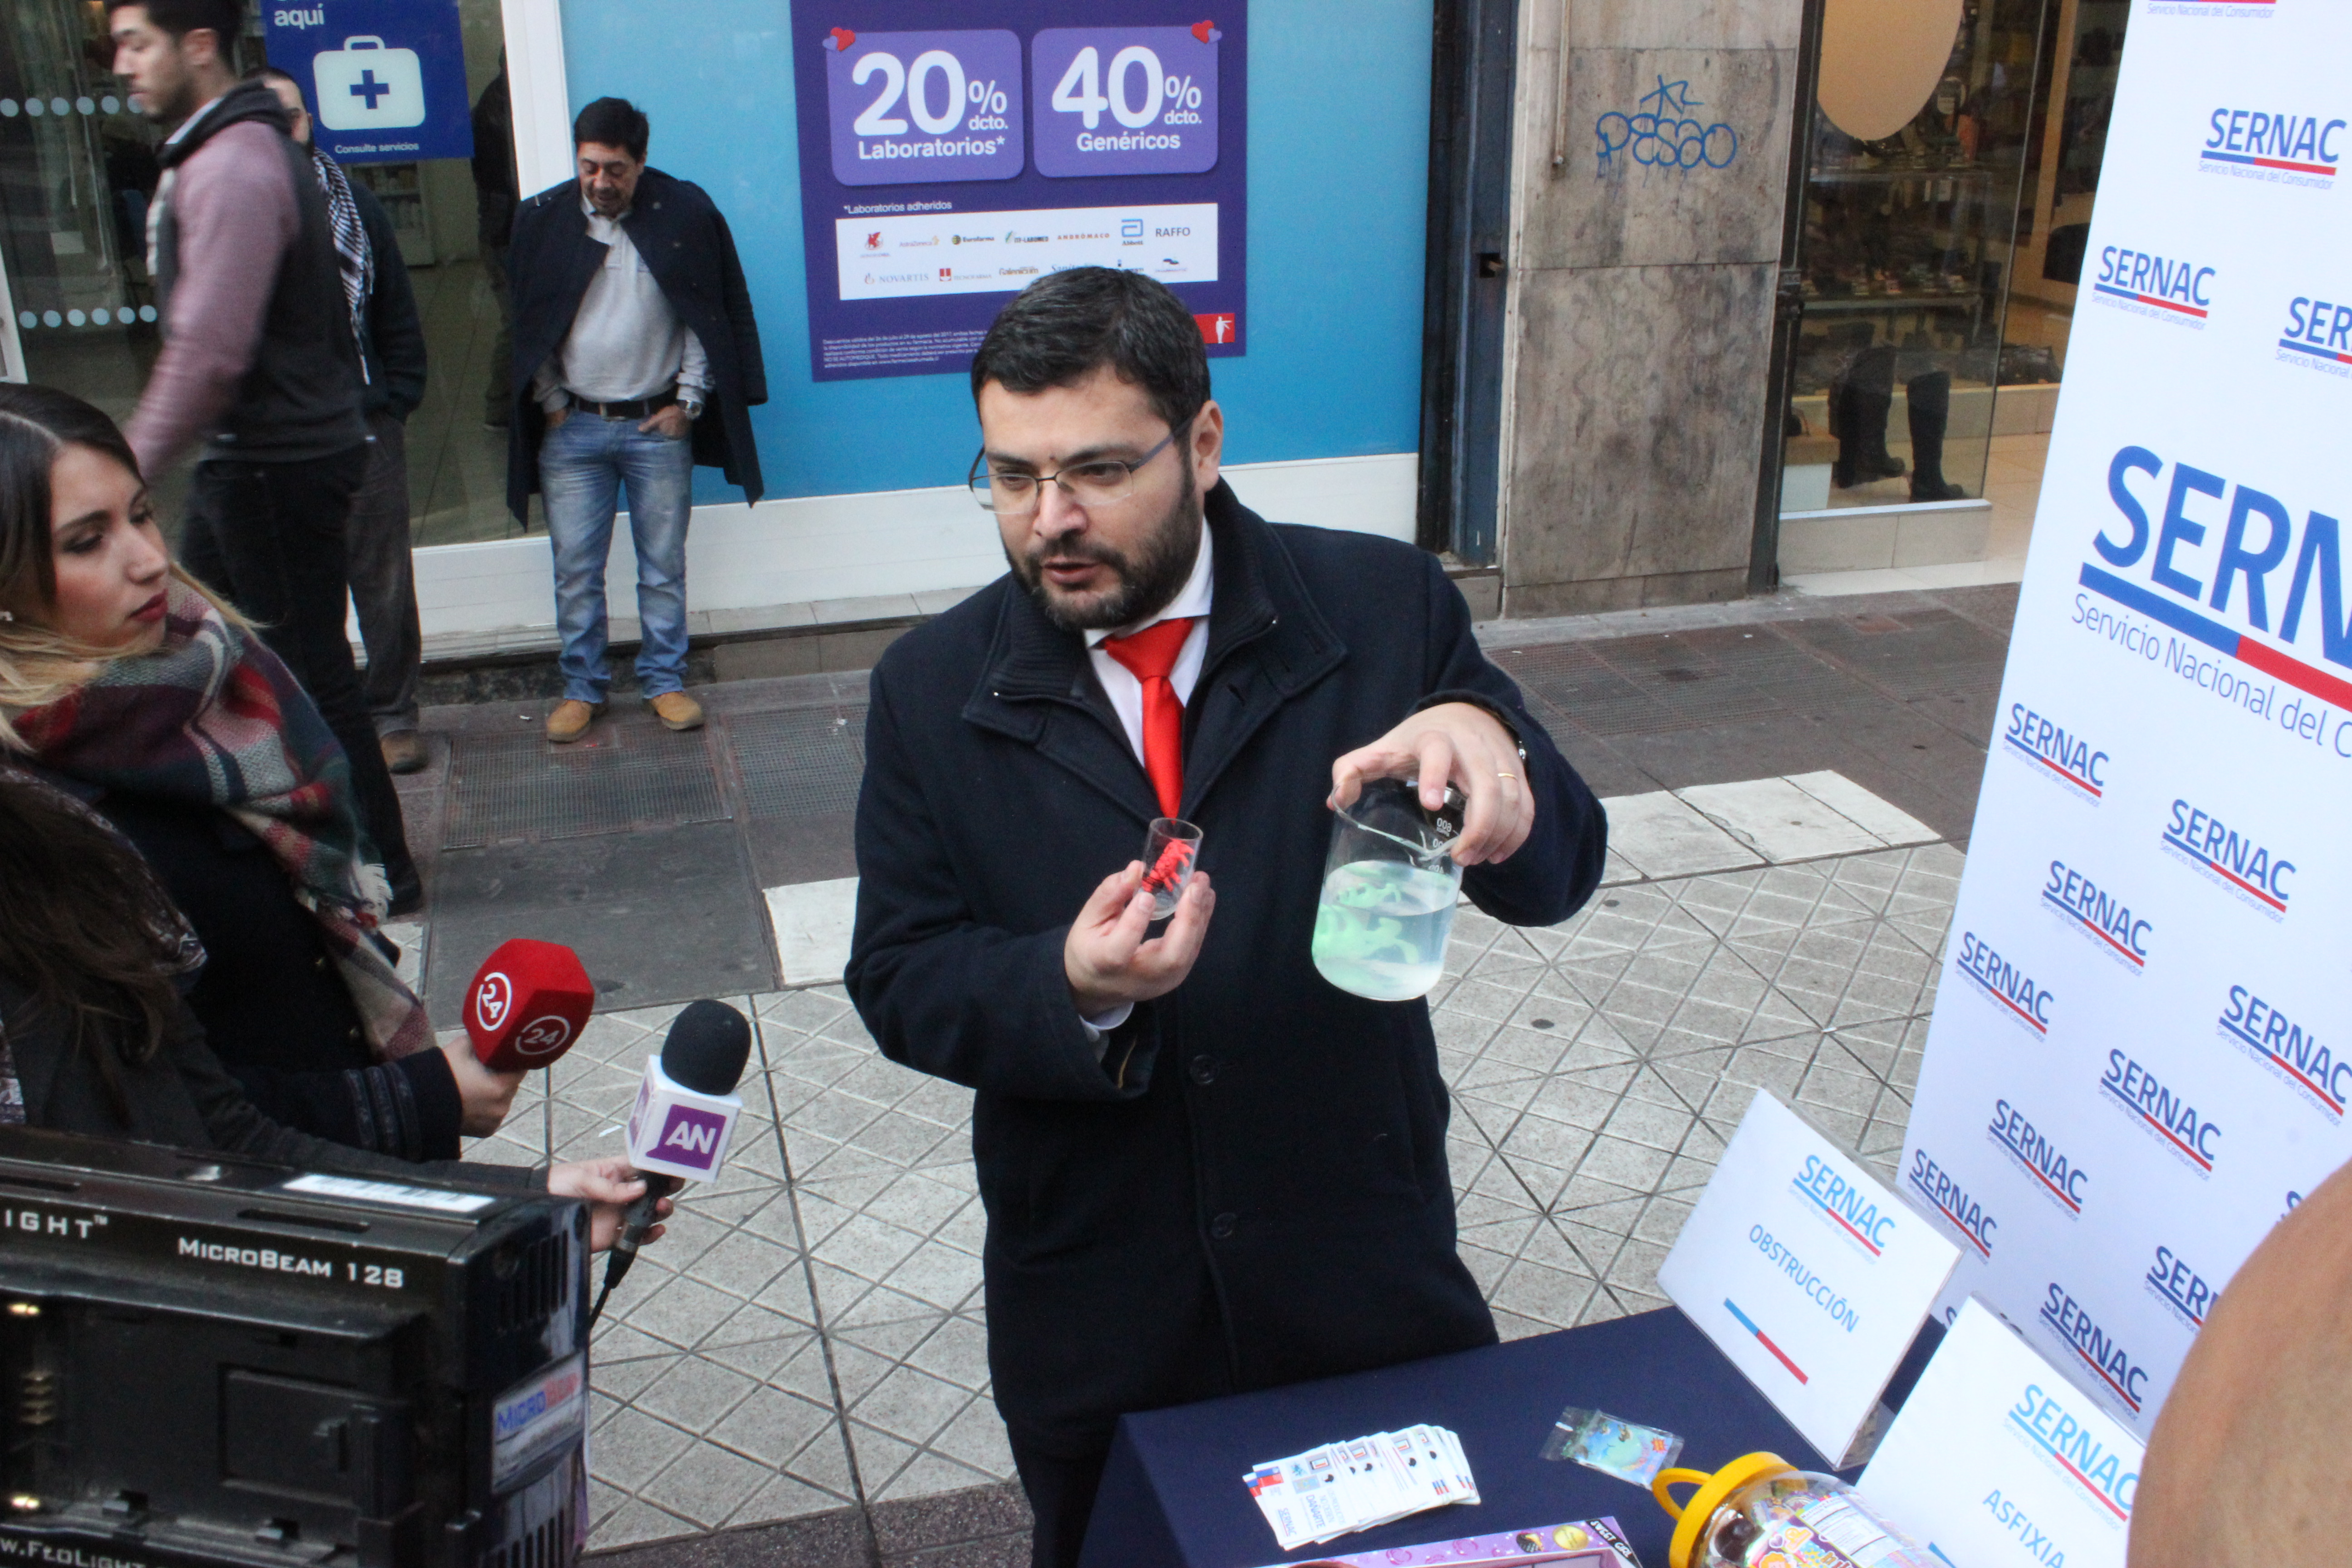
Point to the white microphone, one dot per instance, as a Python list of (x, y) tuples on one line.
[(683, 1120)]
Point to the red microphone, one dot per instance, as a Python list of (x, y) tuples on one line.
[(527, 1004)]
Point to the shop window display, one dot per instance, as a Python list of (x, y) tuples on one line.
[(1909, 242)]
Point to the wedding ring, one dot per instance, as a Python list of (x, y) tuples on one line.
[(1507, 775)]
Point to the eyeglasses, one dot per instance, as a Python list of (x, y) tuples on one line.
[(1102, 482)]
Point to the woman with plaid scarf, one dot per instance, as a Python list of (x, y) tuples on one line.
[(127, 686)]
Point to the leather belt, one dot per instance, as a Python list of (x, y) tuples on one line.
[(642, 408)]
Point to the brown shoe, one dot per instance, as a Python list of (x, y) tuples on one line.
[(404, 753), (571, 719), (677, 710)]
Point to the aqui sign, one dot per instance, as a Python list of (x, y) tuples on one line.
[(384, 80)]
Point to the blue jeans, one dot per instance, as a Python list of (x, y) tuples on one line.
[(583, 465)]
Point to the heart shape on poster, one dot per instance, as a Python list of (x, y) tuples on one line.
[(843, 39), (1206, 32)]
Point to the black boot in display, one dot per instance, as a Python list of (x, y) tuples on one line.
[(1931, 415), (1863, 457)]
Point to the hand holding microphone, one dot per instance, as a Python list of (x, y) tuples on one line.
[(527, 1004), (683, 1120)]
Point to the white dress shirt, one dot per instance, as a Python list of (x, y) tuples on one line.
[(1125, 693), (627, 343)]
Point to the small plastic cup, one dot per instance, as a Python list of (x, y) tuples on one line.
[(1171, 850)]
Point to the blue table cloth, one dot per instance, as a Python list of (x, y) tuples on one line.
[(1172, 1495)]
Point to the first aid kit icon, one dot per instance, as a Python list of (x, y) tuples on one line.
[(364, 86)]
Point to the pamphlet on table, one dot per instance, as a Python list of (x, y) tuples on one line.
[(1339, 1487)]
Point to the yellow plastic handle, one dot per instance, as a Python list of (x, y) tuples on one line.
[(1667, 1478)]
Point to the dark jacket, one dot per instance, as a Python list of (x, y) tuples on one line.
[(685, 243), (300, 399), (394, 344), (495, 185), (1257, 1147), (269, 1000), (182, 1100)]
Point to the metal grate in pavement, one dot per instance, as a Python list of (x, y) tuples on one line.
[(505, 787), (806, 762)]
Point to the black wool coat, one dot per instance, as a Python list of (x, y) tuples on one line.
[(1254, 1171), (685, 242)]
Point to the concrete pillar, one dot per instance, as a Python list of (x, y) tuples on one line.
[(1642, 296)]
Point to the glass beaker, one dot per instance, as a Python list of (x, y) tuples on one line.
[(1389, 890)]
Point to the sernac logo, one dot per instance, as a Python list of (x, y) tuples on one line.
[(2116, 1368), (1849, 1208), (2065, 1440), (2180, 1287), (2101, 914), (2165, 287), (1945, 1195), (2057, 752), (2163, 1110), (2038, 1155), (2317, 335), (2223, 568), (2025, 1001), (2285, 1046), (2278, 149), (2258, 875)]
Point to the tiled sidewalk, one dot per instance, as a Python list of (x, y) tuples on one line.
[(807, 1341)]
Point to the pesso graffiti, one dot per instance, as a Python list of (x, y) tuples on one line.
[(1662, 133)]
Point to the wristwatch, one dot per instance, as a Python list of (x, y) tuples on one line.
[(693, 407)]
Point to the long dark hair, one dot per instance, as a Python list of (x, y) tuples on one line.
[(35, 424), (85, 927), (38, 667)]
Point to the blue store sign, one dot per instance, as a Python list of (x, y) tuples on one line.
[(384, 80)]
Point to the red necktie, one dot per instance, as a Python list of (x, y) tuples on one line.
[(1148, 656)]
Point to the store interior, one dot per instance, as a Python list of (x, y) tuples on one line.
[(1944, 221)]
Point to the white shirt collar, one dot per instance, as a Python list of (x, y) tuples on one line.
[(1191, 601), (602, 229)]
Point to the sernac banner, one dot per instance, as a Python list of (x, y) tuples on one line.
[(2140, 1057)]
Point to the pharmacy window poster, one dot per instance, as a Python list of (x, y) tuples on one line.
[(949, 154)]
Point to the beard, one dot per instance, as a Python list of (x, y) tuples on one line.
[(1148, 579)]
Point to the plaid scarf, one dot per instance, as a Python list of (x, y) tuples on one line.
[(212, 717), (353, 256)]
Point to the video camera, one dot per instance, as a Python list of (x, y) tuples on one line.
[(211, 1360)]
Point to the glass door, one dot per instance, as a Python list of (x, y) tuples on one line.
[(77, 170)]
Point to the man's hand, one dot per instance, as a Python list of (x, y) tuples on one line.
[(669, 423), (1108, 960), (484, 1096), (609, 1185), (1461, 744), (556, 417)]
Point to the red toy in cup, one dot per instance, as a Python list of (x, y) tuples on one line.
[(1171, 850)]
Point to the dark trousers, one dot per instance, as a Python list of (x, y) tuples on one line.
[(1061, 1491), (1061, 1472), (269, 536), (383, 580)]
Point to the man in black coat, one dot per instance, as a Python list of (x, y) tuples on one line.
[(636, 357), (1205, 1168)]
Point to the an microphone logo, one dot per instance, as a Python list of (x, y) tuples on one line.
[(492, 998), (692, 1137)]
